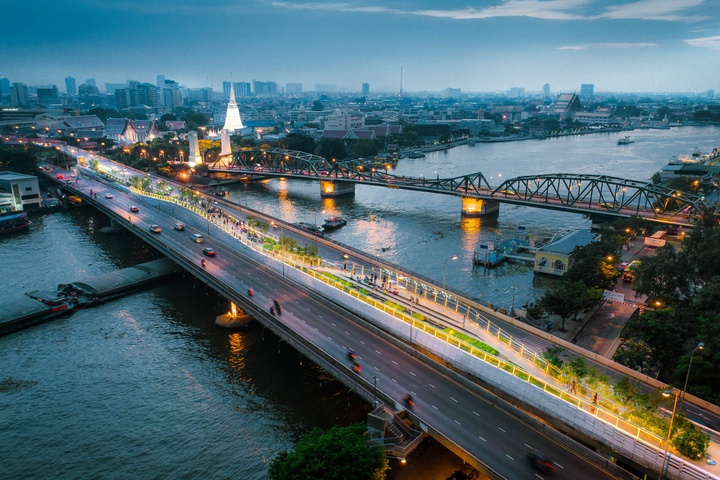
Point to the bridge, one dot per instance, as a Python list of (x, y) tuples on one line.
[(326, 311), (594, 195)]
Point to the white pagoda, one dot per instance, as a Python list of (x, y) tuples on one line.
[(232, 117)]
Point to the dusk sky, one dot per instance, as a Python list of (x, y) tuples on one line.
[(481, 46)]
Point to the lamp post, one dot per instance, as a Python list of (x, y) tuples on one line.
[(700, 346), (454, 257), (667, 394)]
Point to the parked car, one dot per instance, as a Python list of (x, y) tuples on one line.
[(179, 226), (209, 252), (155, 229)]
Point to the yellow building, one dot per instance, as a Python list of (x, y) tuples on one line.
[(554, 258)]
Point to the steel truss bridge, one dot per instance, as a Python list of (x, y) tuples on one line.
[(586, 194)]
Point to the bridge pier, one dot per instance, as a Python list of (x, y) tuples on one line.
[(336, 188), (478, 207)]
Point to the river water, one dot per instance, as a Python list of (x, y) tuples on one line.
[(147, 387)]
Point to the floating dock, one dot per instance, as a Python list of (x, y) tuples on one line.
[(492, 255), (39, 306)]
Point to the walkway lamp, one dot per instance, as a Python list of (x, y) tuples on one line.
[(454, 257), (699, 346), (667, 394)]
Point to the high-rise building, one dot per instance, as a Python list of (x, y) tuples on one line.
[(264, 88), (172, 98), (147, 94), (293, 88), (48, 96), (546, 90), (19, 95), (325, 87), (90, 82), (4, 86), (70, 86), (587, 90), (365, 89), (160, 81)]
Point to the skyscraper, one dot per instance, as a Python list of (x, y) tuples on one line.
[(587, 90), (365, 89), (90, 82), (70, 86), (546, 90), (19, 95), (160, 81)]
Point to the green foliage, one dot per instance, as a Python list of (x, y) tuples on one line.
[(296, 141), (665, 275), (688, 439), (340, 453), (331, 148), (577, 368), (18, 160), (472, 341), (554, 355), (570, 298)]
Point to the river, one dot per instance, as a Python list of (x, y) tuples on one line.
[(147, 387)]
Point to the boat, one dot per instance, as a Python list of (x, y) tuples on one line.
[(488, 255), (627, 139), (308, 227), (334, 222), (416, 155), (14, 222)]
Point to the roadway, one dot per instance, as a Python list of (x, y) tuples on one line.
[(496, 437)]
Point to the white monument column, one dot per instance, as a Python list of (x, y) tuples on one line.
[(194, 157), (225, 148)]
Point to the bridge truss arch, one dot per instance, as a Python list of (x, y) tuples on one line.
[(612, 195)]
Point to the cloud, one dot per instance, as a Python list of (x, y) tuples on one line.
[(665, 10), (595, 46), (707, 42)]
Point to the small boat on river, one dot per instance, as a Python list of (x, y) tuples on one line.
[(416, 154), (14, 222), (332, 223), (627, 139)]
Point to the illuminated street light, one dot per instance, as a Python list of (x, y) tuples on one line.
[(700, 346), (667, 394), (454, 257)]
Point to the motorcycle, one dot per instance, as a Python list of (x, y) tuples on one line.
[(277, 307), (203, 263), (272, 310), (357, 368), (251, 292), (408, 399), (351, 355)]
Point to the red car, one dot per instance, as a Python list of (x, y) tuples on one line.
[(134, 209)]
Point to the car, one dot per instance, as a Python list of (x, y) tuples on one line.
[(197, 238), (209, 252), (108, 195), (59, 176), (134, 209), (540, 461), (155, 229), (179, 226)]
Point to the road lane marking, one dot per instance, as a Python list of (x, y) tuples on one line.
[(347, 333), (436, 408), (362, 342), (331, 323), (511, 458), (394, 380), (433, 386), (502, 430), (481, 438), (451, 398), (559, 465), (411, 373), (458, 422), (394, 362), (476, 413), (378, 352)]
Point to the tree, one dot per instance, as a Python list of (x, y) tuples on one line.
[(296, 141), (569, 299), (317, 106), (665, 275), (339, 453), (364, 148), (331, 148)]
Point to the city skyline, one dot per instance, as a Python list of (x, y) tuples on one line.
[(626, 46)]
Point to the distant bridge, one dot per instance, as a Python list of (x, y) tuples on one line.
[(585, 194)]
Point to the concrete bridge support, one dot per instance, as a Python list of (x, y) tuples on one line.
[(336, 188), (477, 207)]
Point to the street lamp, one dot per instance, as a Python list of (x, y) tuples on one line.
[(667, 394), (454, 257), (700, 346)]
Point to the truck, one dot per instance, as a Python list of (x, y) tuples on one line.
[(629, 273), (656, 240)]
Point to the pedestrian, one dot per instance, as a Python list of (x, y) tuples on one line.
[(572, 387)]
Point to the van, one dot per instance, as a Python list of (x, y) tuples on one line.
[(197, 238)]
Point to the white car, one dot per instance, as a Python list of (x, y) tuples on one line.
[(108, 195)]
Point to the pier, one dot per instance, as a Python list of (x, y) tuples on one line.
[(492, 255)]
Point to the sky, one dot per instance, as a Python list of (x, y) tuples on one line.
[(476, 46)]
